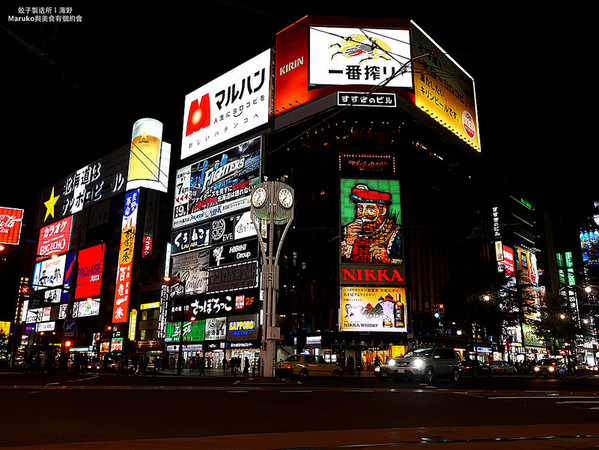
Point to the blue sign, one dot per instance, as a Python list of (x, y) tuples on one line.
[(69, 326)]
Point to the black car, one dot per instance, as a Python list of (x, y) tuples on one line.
[(475, 368)]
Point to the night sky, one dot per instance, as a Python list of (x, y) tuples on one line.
[(71, 92)]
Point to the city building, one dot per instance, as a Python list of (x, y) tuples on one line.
[(101, 238)]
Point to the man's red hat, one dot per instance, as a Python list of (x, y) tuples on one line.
[(361, 193)]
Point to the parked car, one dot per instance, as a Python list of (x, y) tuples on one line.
[(475, 368), (502, 367), (549, 367), (425, 363), (307, 365)]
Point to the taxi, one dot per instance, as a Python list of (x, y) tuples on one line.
[(303, 366)]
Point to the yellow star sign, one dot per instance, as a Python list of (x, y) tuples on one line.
[(50, 205)]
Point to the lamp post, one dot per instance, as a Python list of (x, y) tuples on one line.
[(271, 205)]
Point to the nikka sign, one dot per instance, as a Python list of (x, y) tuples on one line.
[(376, 275)]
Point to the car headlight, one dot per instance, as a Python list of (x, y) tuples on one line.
[(536, 369), (377, 369), (418, 364), (551, 369), (391, 362)]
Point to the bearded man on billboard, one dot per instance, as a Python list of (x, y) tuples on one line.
[(374, 236)]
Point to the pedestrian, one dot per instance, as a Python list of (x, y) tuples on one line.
[(202, 365), (377, 361), (350, 365), (246, 367), (224, 364)]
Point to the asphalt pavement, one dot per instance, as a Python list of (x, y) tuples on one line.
[(468, 436)]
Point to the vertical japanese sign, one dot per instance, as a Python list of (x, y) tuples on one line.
[(125, 266)]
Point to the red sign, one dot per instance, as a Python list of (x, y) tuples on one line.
[(55, 238), (371, 275), (89, 272), (10, 225)]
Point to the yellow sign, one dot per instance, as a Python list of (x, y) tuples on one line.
[(443, 90), (149, 305), (132, 324), (4, 329), (49, 204)]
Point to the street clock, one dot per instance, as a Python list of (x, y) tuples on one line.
[(258, 197), (285, 198)]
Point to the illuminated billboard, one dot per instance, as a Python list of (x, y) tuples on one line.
[(373, 309), (86, 308), (125, 264), (217, 185), (192, 331), (243, 328), (55, 238), (589, 244), (149, 159), (443, 90), (10, 225), (228, 106), (49, 273), (370, 222), (89, 271), (341, 56), (193, 268), (102, 179)]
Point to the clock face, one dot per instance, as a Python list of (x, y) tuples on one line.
[(285, 198), (258, 197)]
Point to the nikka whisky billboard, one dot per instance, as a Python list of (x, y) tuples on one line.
[(373, 309)]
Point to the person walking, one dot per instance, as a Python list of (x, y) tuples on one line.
[(246, 367), (202, 365)]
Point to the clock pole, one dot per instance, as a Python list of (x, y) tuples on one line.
[(271, 206)]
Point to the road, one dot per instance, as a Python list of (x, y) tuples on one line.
[(167, 411)]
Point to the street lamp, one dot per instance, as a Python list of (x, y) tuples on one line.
[(272, 204), (170, 281)]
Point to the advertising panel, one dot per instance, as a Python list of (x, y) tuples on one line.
[(219, 230), (373, 309), (55, 238), (228, 106), (149, 158), (443, 90), (193, 268), (86, 308), (370, 222), (589, 243), (10, 225), (221, 255), (49, 273), (359, 56), (122, 292), (527, 267), (216, 328), (217, 185), (102, 179), (230, 303), (193, 331), (242, 328), (89, 271), (233, 277)]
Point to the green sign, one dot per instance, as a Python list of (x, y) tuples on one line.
[(192, 331)]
